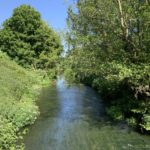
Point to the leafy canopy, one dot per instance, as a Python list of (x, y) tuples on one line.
[(29, 40)]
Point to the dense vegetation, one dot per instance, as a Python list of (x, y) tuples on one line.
[(17, 107), (27, 45), (28, 40), (109, 46), (109, 49)]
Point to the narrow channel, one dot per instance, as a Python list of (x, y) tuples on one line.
[(72, 118)]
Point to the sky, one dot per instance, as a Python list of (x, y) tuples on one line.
[(54, 12)]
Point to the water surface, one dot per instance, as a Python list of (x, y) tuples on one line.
[(72, 118)]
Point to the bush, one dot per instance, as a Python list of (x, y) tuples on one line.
[(126, 88)]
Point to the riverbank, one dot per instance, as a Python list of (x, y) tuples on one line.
[(107, 53), (19, 90), (124, 88)]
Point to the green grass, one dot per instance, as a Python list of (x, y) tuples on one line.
[(18, 92)]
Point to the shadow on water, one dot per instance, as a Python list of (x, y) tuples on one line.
[(72, 118)]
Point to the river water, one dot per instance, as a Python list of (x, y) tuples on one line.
[(72, 118)]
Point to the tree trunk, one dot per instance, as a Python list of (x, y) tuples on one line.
[(125, 32), (122, 21)]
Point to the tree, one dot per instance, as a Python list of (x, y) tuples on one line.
[(97, 22), (110, 50), (28, 40)]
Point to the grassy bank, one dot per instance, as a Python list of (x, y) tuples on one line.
[(18, 88)]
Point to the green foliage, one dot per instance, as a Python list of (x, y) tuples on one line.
[(8, 134), (146, 122), (115, 112), (113, 57), (28, 40), (17, 101)]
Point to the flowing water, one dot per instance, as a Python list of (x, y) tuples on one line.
[(72, 118)]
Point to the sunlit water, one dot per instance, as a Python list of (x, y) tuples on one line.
[(72, 118)]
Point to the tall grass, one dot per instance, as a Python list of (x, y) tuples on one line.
[(17, 101)]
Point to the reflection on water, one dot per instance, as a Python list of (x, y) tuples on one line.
[(72, 119)]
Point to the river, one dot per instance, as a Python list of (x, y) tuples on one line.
[(72, 118)]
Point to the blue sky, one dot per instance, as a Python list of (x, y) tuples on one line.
[(54, 12)]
